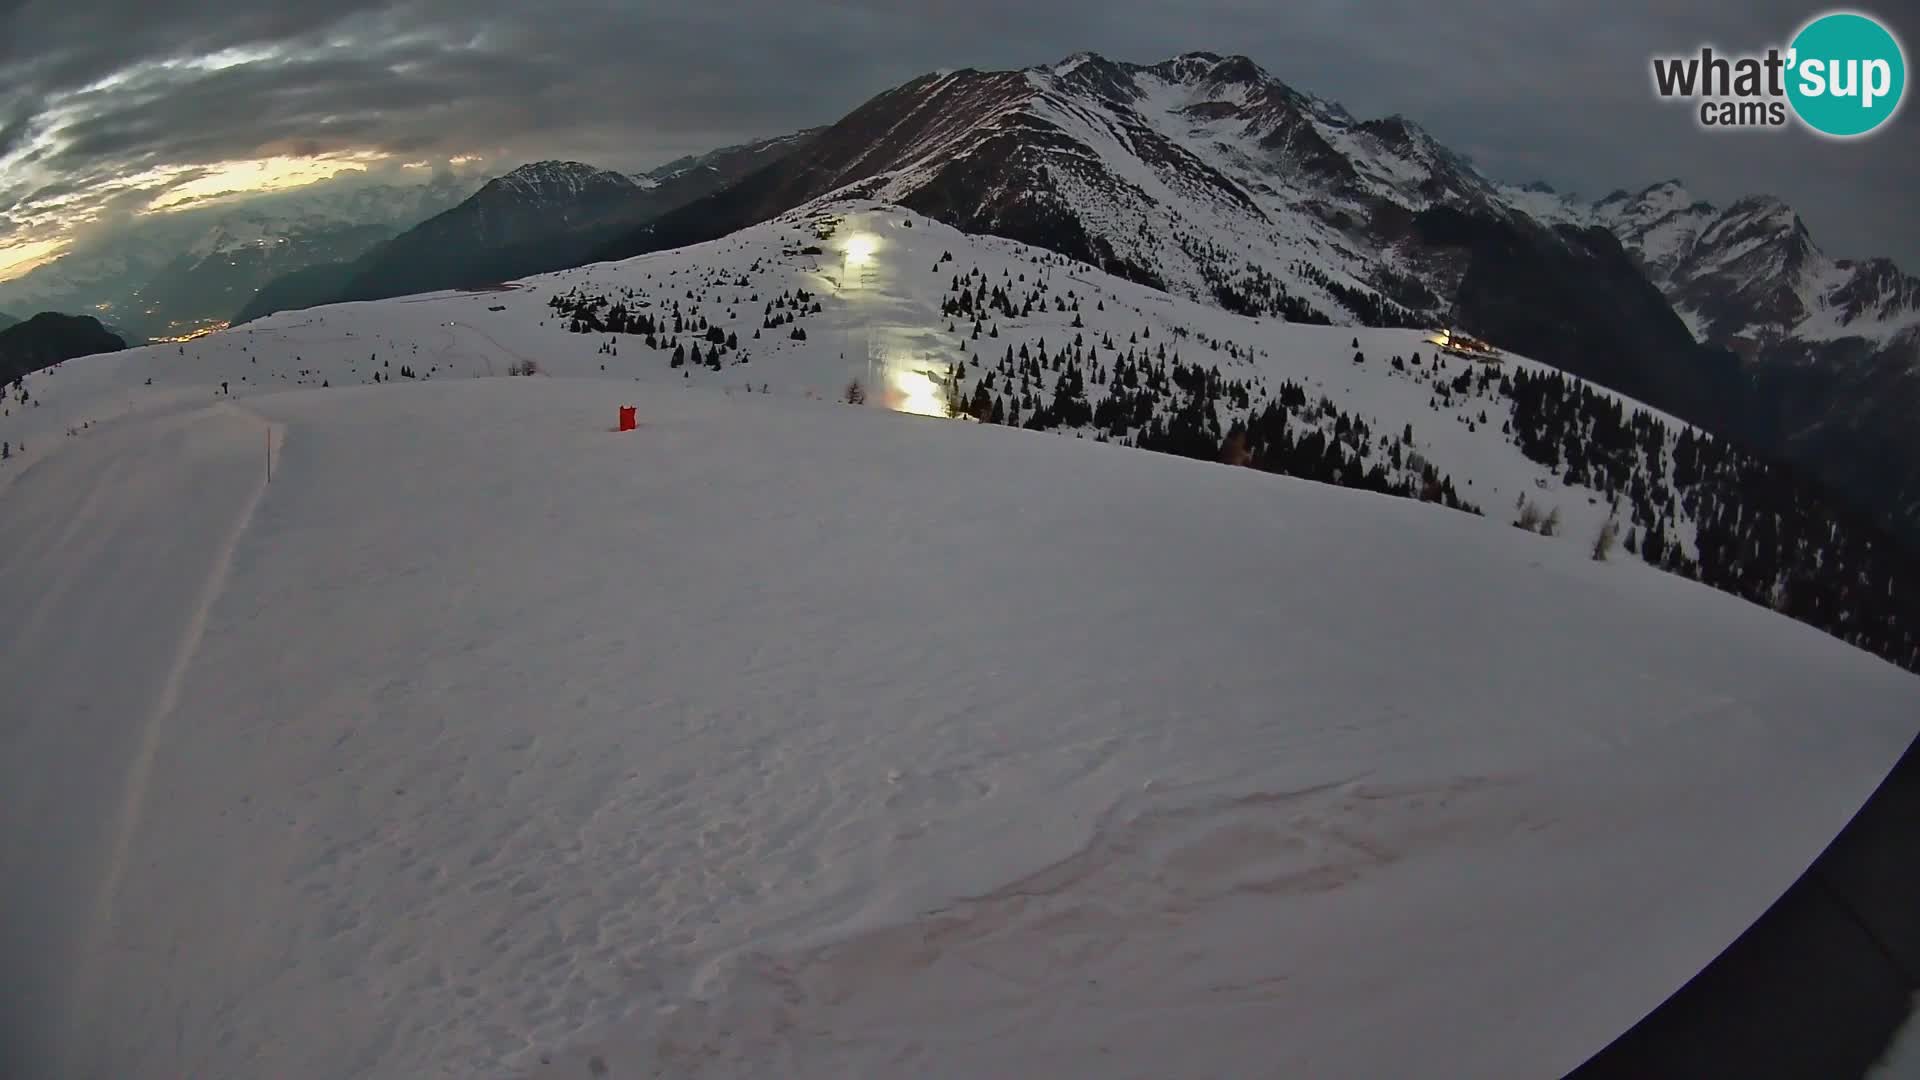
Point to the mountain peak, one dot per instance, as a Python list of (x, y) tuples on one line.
[(1398, 129), (1071, 63), (1652, 204), (1756, 215), (1757, 204), (545, 180), (1237, 69), (547, 171), (1211, 69)]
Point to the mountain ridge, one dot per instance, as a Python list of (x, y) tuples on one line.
[(538, 217), (1749, 274), (50, 338)]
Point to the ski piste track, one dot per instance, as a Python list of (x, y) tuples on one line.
[(101, 483)]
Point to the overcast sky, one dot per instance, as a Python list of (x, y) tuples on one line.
[(109, 105)]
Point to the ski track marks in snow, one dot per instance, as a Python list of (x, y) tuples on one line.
[(90, 700), (108, 899)]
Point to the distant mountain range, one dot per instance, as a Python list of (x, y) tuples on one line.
[(169, 274), (1749, 276), (1829, 349), (6, 320), (544, 216), (48, 339)]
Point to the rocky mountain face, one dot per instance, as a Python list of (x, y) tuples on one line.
[(169, 274), (534, 215), (50, 338), (1202, 175), (540, 217), (1750, 275)]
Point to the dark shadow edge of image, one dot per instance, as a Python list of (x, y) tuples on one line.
[(1821, 983)]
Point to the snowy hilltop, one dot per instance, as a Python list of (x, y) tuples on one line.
[(938, 321)]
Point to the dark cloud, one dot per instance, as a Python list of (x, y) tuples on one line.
[(13, 134), (95, 90)]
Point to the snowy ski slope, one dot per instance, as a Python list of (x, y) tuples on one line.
[(782, 737)]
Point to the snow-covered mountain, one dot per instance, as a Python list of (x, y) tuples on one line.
[(1208, 177), (171, 273), (529, 204), (1203, 174), (781, 730), (1751, 277), (557, 185)]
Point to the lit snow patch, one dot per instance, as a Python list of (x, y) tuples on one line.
[(860, 247), (916, 392)]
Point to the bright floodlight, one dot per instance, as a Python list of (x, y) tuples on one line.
[(914, 392), (860, 247)]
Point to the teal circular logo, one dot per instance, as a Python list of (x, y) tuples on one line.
[(1847, 74)]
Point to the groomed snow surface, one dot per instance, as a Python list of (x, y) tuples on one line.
[(783, 737), (788, 738)]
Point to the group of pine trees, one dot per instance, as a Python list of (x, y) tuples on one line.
[(1758, 530), (1370, 307), (1257, 293), (685, 335), (1154, 399)]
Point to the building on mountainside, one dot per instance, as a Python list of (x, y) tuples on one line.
[(1465, 346)]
